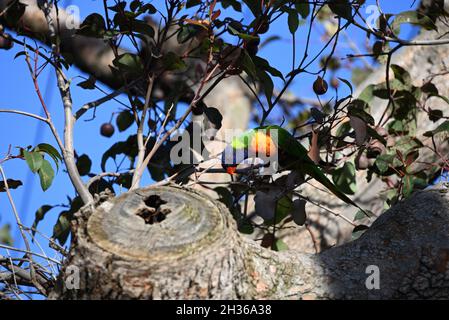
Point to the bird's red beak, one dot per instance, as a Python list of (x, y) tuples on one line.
[(231, 170)]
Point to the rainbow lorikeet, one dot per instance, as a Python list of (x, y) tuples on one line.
[(273, 141)]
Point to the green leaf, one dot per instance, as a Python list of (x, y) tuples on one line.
[(243, 36), (248, 65), (88, 84), (124, 120), (143, 28), (343, 129), (129, 62), (118, 7), (344, 178), (298, 213), (225, 196), (293, 21), (12, 184), (214, 116), (408, 185), (358, 231), (192, 3), (245, 227), (93, 26), (412, 17), (280, 245), (46, 174), (435, 115), (187, 32), (284, 207), (5, 235), (265, 65), (128, 148), (341, 8), (236, 5), (383, 162), (21, 53), (61, 230), (84, 165), (39, 216), (356, 109), (51, 151), (444, 127), (171, 62), (348, 84), (401, 74), (303, 8), (34, 160), (361, 215), (397, 127), (267, 84), (254, 6)]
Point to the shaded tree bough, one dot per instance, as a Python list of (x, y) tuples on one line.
[(194, 251)]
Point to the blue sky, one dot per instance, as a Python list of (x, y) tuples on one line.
[(17, 92)]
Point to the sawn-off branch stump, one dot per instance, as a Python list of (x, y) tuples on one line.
[(175, 243)]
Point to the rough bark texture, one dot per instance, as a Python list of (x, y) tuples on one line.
[(196, 253)]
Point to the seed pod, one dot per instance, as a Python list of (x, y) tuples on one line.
[(320, 86), (107, 130)]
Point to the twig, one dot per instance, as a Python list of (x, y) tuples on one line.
[(315, 244), (25, 239), (96, 103), (106, 174), (23, 113), (64, 90)]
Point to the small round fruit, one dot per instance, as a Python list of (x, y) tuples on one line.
[(6, 42), (320, 86), (107, 130)]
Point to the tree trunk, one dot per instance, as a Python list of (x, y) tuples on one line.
[(195, 252)]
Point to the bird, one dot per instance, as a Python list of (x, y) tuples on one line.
[(274, 142)]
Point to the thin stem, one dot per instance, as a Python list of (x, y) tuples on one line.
[(64, 90), (23, 113), (22, 232)]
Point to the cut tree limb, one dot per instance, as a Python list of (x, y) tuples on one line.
[(196, 252)]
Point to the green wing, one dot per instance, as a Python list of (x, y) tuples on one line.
[(243, 140), (292, 147)]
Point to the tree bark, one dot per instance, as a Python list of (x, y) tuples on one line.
[(196, 252)]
